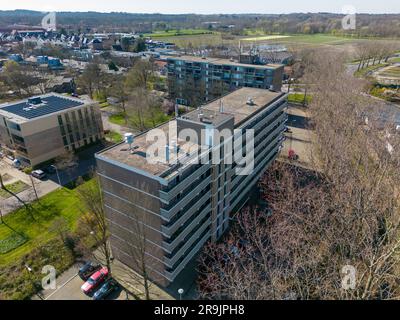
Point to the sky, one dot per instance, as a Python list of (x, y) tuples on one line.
[(205, 6)]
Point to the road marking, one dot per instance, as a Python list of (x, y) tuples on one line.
[(63, 285)]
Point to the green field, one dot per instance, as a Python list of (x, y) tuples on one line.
[(15, 187), (316, 39), (176, 32)]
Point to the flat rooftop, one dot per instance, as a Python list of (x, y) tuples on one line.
[(137, 157), (221, 61), (39, 106), (234, 104)]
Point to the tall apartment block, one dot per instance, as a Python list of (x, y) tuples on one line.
[(174, 207), (41, 128), (198, 79)]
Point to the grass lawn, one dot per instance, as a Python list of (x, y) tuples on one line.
[(15, 187), (24, 241), (118, 119), (150, 121), (298, 98), (114, 137), (62, 202)]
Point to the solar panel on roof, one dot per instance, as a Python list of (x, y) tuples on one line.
[(49, 105)]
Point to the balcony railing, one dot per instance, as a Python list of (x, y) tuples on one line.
[(170, 230), (169, 195), (169, 213), (171, 261), (172, 275), (171, 246)]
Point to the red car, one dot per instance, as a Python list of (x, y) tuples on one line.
[(97, 278)]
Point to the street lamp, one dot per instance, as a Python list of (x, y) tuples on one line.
[(58, 175), (180, 291), (290, 82)]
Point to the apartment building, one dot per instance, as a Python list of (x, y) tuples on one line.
[(169, 208), (41, 128), (196, 80)]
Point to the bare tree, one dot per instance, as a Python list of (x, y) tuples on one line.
[(346, 214), (94, 218)]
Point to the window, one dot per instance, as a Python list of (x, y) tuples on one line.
[(14, 126)]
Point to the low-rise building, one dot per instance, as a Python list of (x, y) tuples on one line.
[(169, 208), (41, 128)]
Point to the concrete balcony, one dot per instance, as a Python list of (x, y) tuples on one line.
[(172, 275), (169, 213), (265, 153), (249, 181), (169, 247), (169, 231), (265, 141), (193, 177), (171, 261)]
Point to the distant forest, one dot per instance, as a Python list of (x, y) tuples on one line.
[(383, 25)]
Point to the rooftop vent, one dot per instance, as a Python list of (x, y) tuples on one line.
[(128, 138), (250, 102)]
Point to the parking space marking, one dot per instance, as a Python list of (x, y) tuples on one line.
[(60, 287)]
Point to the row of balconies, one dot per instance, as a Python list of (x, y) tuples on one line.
[(171, 229), (192, 178), (170, 262), (181, 203), (246, 183), (266, 143), (196, 220), (172, 275)]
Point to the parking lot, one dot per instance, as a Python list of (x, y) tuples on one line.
[(300, 138), (69, 288)]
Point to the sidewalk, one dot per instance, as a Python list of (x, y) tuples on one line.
[(130, 280), (42, 187)]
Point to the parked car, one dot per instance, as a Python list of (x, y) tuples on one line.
[(50, 169), (95, 280), (39, 174), (88, 269), (106, 289)]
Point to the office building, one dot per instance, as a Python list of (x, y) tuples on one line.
[(41, 128)]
